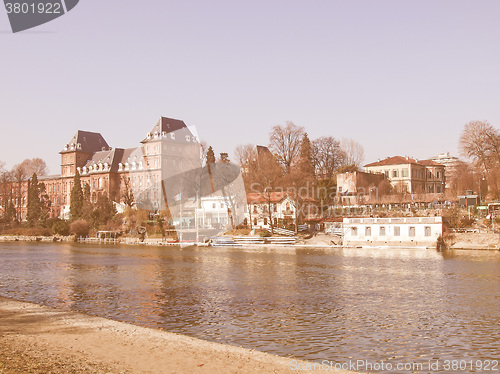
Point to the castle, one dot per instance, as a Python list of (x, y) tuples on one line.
[(112, 171)]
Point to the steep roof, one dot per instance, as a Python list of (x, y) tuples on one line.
[(395, 160), (167, 125), (400, 160), (86, 141), (111, 157)]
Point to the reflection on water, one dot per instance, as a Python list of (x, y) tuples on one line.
[(396, 305)]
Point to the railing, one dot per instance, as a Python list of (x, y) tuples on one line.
[(283, 231)]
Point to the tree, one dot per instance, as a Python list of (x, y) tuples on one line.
[(33, 215), (243, 153), (327, 156), (6, 195), (128, 195), (462, 179), (35, 165), (305, 162), (210, 158), (284, 142), (481, 142), (354, 152), (102, 212), (19, 176), (300, 180), (38, 202), (87, 202), (76, 198), (264, 177)]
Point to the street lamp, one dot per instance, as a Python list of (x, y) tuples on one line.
[(481, 177)]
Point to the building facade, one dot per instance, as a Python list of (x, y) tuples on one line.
[(450, 165), (401, 231), (407, 175), (359, 187), (165, 151)]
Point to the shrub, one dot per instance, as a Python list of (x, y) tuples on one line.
[(79, 228), (265, 234), (61, 227), (28, 231)]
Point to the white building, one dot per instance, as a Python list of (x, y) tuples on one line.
[(402, 231)]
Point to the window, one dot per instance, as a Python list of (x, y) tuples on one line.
[(382, 231), (387, 173), (404, 173), (354, 231), (340, 189), (255, 221), (427, 231), (397, 231), (395, 173), (411, 231), (368, 231), (265, 221), (213, 206)]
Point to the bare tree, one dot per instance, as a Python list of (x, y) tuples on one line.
[(481, 142), (6, 194), (265, 176), (462, 179), (284, 142), (20, 176), (353, 151), (243, 153), (327, 156), (35, 165)]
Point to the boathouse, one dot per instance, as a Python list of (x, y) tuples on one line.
[(400, 231)]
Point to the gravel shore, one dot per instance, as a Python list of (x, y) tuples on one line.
[(39, 339)]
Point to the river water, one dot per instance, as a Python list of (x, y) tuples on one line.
[(379, 305)]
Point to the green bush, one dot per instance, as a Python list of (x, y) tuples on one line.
[(265, 234)]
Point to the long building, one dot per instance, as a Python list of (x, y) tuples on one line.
[(407, 175), (112, 171)]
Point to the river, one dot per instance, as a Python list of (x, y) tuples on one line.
[(379, 305)]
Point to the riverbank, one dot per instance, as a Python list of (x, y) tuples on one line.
[(39, 339), (467, 241), (474, 240)]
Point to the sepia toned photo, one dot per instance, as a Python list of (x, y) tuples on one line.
[(249, 187)]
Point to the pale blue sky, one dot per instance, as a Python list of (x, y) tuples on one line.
[(400, 77)]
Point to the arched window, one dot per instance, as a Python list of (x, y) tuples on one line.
[(100, 183)]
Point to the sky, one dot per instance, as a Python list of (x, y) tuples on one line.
[(399, 77)]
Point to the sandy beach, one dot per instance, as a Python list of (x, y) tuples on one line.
[(39, 339)]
